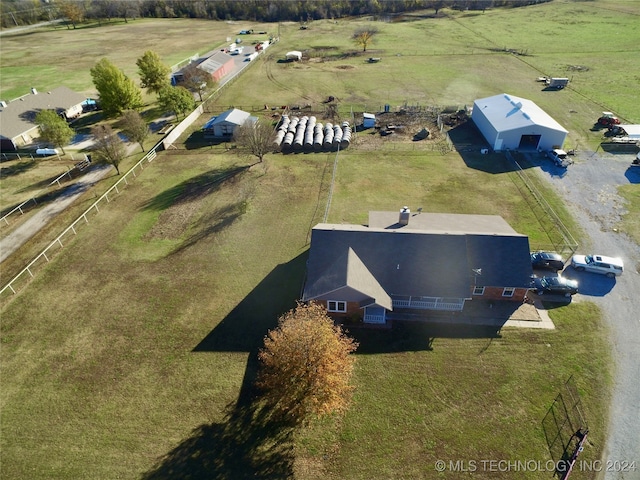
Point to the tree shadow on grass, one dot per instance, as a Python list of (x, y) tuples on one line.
[(212, 223), (249, 443), (17, 169), (194, 188)]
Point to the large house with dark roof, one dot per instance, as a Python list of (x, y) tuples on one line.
[(412, 262), (17, 118)]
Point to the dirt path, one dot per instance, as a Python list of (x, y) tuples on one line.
[(24, 232)]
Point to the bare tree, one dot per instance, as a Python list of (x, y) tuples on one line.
[(364, 37), (254, 139), (107, 145), (306, 365), (135, 127)]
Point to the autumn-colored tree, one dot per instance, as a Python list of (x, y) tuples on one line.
[(306, 365), (364, 37), (107, 145), (134, 127), (54, 129), (72, 11), (254, 139)]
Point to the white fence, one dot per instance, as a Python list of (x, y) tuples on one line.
[(56, 245)]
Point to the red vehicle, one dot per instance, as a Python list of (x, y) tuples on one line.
[(608, 119)]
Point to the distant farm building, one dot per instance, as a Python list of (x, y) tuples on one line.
[(512, 123), (216, 66), (223, 126), (294, 55), (17, 118)]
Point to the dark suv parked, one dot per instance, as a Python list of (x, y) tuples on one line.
[(548, 260), (556, 286)]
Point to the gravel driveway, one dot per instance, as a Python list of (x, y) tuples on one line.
[(589, 189)]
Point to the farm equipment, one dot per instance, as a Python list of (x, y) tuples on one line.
[(607, 119)]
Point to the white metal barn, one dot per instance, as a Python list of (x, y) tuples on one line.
[(513, 123), (225, 124)]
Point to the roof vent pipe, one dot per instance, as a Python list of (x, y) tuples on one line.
[(404, 216)]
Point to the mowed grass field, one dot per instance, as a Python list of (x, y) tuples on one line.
[(126, 357)]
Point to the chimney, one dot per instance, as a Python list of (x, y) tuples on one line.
[(404, 216), (34, 91)]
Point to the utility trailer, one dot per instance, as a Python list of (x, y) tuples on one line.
[(556, 82)]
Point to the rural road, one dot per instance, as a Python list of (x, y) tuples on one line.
[(24, 232), (590, 191)]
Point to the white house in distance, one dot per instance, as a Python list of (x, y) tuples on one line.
[(513, 123), (17, 118), (223, 126)]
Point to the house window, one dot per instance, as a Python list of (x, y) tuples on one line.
[(508, 292), (333, 306), (478, 290)]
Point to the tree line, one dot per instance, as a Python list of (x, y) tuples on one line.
[(26, 12)]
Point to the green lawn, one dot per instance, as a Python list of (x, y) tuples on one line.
[(146, 328), (132, 354)]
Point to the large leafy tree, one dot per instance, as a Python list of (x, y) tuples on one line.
[(54, 129), (107, 146), (178, 100), (117, 91), (363, 37), (196, 80), (135, 127), (154, 75), (254, 139), (306, 365)]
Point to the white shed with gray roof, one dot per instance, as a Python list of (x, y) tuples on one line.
[(508, 122)]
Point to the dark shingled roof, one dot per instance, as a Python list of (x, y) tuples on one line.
[(408, 260)]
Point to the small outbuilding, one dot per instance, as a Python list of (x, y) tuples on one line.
[(508, 122), (223, 126), (368, 120), (294, 55)]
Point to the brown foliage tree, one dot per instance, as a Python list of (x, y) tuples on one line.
[(196, 80), (306, 365)]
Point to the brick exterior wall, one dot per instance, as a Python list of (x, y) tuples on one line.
[(495, 293)]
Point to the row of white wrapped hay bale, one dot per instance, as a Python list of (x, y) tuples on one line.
[(306, 134)]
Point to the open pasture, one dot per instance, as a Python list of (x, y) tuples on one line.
[(132, 354)]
